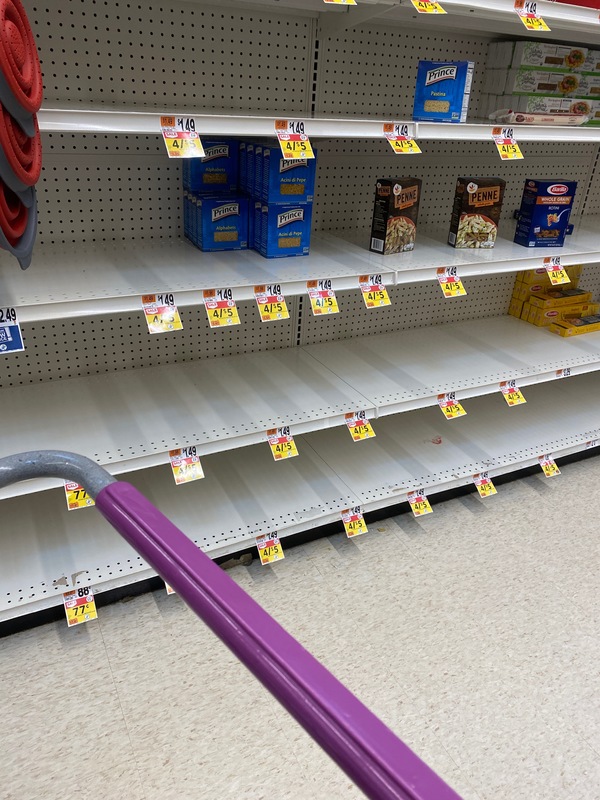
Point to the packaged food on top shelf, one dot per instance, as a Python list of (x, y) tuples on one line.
[(394, 226), (544, 213), (216, 172), (476, 212), (536, 53), (443, 91), (592, 61)]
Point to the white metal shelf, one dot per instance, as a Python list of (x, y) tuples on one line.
[(82, 119), (246, 493), (66, 281), (128, 421)]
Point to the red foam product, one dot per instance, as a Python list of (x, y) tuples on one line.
[(24, 153), (13, 214), (19, 60)]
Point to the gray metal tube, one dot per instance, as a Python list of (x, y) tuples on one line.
[(54, 464)]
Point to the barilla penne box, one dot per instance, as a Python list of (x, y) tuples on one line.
[(287, 180), (443, 91), (543, 317), (544, 214), (216, 172), (575, 327), (285, 229), (555, 298), (222, 223)]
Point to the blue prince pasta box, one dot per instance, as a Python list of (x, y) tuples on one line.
[(544, 214), (286, 180), (443, 91), (285, 229), (216, 172), (222, 223)]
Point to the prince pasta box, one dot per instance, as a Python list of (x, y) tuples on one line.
[(285, 230), (443, 91), (221, 223)]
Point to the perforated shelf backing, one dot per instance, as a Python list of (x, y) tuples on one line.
[(173, 54), (93, 345)]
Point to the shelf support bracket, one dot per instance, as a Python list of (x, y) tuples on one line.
[(330, 24)]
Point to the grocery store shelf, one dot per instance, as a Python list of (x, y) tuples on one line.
[(128, 421), (129, 121), (246, 493), (110, 279)]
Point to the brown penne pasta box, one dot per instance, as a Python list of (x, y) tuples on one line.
[(476, 212), (394, 227)]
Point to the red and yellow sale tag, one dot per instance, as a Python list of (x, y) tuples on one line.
[(556, 272), (450, 406), (293, 140), (427, 7), (220, 308), (271, 302), (484, 484), (80, 605), (528, 14), (450, 282), (162, 315), (505, 141), (373, 291), (400, 139), (549, 466), (185, 465), (322, 297), (419, 503), (354, 522), (511, 393), (269, 548), (341, 2), (359, 426), (181, 138), (282, 443), (77, 497)]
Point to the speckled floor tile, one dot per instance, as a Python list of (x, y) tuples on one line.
[(474, 633)]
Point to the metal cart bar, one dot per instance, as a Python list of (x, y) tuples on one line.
[(371, 755)]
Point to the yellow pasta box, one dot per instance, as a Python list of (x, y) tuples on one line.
[(554, 298), (515, 307), (577, 326), (525, 311), (540, 275), (542, 317)]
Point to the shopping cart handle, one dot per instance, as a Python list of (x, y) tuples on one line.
[(368, 751)]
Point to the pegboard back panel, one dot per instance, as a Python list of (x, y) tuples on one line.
[(371, 70), (173, 55), (347, 172), (95, 345), (416, 305)]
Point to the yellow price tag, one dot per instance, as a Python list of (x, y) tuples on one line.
[(400, 139), (269, 548), (322, 297), (509, 150), (549, 466), (484, 484), (359, 426), (77, 497), (293, 139), (354, 522), (528, 14), (404, 146), (271, 302), (282, 443), (181, 138), (512, 394), (373, 291), (80, 605), (185, 465), (419, 503), (451, 284), (162, 315), (556, 271), (341, 2), (450, 406), (220, 307), (427, 7)]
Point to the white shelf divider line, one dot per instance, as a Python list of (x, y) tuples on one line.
[(111, 279), (247, 493), (128, 421)]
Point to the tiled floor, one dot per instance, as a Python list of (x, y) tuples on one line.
[(474, 633)]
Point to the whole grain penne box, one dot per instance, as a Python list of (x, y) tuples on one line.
[(394, 227), (443, 91)]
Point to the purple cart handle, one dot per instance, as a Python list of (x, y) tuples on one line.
[(372, 756)]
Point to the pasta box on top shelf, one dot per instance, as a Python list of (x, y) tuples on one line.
[(287, 180), (443, 91)]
